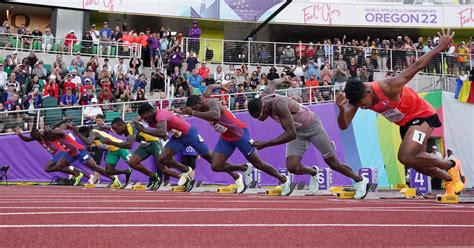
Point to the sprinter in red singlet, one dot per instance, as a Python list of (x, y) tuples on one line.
[(233, 134), (402, 105), (57, 151)]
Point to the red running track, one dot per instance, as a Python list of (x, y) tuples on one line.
[(44, 216)]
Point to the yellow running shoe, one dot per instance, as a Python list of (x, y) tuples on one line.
[(117, 183), (78, 179), (449, 188)]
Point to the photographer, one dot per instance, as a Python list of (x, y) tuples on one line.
[(157, 81)]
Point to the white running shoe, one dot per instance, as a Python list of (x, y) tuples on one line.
[(313, 182), (91, 179), (241, 187), (183, 177), (361, 189), (248, 174), (286, 191)]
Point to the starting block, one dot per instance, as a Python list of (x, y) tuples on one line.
[(346, 193), (324, 185), (275, 191), (138, 186), (450, 199), (228, 189), (89, 185), (177, 189)]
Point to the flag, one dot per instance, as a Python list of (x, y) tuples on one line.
[(466, 93), (458, 88), (470, 98)]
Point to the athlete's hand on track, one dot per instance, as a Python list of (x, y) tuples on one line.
[(341, 100), (17, 130), (445, 38), (186, 110), (259, 144), (138, 125)]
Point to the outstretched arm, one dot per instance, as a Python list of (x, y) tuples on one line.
[(346, 111), (213, 114), (160, 131), (210, 89), (273, 85), (393, 86), (23, 137), (286, 121), (88, 140), (126, 145)]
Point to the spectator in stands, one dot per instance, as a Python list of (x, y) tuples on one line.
[(77, 63), (157, 82), (95, 34), (352, 68), (31, 59), (263, 55), (47, 40), (240, 98), (86, 43), (120, 77), (106, 83), (21, 75), (273, 74), (3, 119), (121, 67), (68, 84), (68, 99), (89, 74), (409, 49), (218, 74), (132, 76), (51, 89), (194, 34), (126, 97), (39, 70), (117, 37), (13, 104), (312, 82), (106, 99), (298, 69), (204, 70), (12, 60), (294, 92), (164, 44), (363, 74), (176, 58), (462, 57), (140, 83), (32, 82), (61, 64), (140, 95), (153, 46), (86, 97), (239, 78), (195, 81), (8, 94), (310, 51), (13, 82), (192, 61), (34, 100), (311, 68), (69, 42), (208, 80), (370, 69), (135, 63), (326, 73), (384, 53), (106, 65), (451, 58), (253, 81), (3, 78), (27, 39), (36, 33), (84, 89), (119, 89), (105, 36), (91, 111), (325, 92), (76, 79)]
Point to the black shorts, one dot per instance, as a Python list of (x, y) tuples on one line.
[(433, 121)]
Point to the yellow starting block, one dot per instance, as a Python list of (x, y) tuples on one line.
[(401, 186), (275, 191), (408, 192), (177, 189), (89, 185), (346, 194), (447, 198), (228, 189), (138, 186), (338, 189)]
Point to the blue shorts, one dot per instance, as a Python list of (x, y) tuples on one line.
[(83, 156), (192, 138), (56, 157), (243, 144)]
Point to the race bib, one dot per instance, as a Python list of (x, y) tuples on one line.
[(219, 128), (393, 115)]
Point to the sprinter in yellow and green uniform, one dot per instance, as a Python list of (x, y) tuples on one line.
[(101, 140), (148, 146)]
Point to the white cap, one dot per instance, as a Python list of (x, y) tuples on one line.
[(94, 100), (434, 148), (72, 31)]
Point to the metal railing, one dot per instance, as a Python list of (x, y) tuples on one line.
[(284, 54), (26, 119), (56, 45)]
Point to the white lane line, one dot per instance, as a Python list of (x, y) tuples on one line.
[(148, 207), (212, 210), (236, 225)]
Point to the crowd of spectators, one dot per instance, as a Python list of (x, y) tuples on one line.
[(25, 83)]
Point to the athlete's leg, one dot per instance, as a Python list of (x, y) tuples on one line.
[(342, 168), (166, 161), (254, 158), (219, 164), (134, 162), (295, 150), (50, 167), (110, 169), (412, 152)]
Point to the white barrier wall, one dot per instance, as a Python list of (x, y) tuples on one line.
[(459, 132)]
